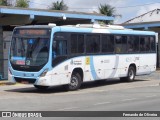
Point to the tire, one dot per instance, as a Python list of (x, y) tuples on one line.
[(75, 82), (130, 75), (41, 87)]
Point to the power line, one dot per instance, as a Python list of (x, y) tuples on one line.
[(138, 5), (125, 6)]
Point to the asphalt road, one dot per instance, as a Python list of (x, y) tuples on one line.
[(112, 95)]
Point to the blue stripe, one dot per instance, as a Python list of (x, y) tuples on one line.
[(93, 71)]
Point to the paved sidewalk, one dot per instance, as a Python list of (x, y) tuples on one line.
[(5, 82)]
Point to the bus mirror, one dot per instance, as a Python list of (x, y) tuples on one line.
[(54, 45)]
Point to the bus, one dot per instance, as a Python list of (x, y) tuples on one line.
[(50, 55)]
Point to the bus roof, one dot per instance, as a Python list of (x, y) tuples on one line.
[(93, 28)]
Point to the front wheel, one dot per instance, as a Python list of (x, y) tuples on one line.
[(75, 82), (130, 76), (41, 87)]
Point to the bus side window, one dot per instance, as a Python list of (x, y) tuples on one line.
[(136, 43), (93, 44), (144, 44), (80, 43), (124, 44), (131, 44), (73, 43), (147, 41), (77, 43), (107, 43), (153, 44), (120, 44)]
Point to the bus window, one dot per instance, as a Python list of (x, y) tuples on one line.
[(124, 44), (77, 44), (93, 43), (153, 44), (80, 44), (120, 44), (61, 47), (107, 43), (73, 43), (133, 44), (144, 44)]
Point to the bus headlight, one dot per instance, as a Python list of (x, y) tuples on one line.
[(43, 73)]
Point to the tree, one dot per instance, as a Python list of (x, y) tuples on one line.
[(59, 6), (22, 3), (4, 3), (108, 11)]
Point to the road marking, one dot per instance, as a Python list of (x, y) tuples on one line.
[(69, 108), (129, 99), (151, 96), (102, 103)]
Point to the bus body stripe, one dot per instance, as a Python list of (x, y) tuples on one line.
[(93, 71), (115, 66)]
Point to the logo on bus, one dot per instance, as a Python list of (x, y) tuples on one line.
[(87, 60)]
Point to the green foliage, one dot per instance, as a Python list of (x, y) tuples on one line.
[(3, 2), (59, 6), (22, 3), (108, 11)]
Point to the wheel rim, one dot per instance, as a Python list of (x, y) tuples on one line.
[(74, 82), (131, 74)]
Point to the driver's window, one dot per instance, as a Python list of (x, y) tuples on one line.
[(61, 48)]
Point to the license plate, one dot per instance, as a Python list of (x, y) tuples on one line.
[(20, 62), (24, 82)]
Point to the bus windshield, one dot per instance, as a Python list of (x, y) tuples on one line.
[(29, 51)]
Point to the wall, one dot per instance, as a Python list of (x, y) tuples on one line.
[(157, 29), (6, 43), (1, 53)]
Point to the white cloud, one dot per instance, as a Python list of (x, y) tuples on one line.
[(92, 5)]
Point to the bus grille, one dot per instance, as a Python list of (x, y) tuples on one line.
[(24, 80)]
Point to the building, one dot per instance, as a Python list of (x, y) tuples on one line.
[(147, 21), (11, 17)]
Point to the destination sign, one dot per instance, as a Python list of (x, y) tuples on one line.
[(32, 32)]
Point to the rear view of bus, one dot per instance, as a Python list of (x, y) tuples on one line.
[(29, 54)]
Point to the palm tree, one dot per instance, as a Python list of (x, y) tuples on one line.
[(108, 11), (59, 6), (22, 3)]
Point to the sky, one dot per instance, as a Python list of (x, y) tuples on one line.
[(127, 8)]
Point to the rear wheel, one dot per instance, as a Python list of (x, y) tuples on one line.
[(41, 87), (75, 82), (130, 76)]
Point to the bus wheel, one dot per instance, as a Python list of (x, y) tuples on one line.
[(75, 82), (130, 76), (41, 87)]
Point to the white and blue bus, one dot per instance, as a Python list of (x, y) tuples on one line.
[(50, 55)]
